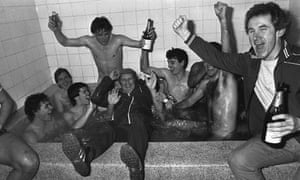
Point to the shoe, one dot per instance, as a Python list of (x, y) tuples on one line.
[(76, 153), (133, 162)]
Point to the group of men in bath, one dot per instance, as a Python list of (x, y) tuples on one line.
[(126, 101)]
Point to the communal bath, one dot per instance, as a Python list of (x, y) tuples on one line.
[(172, 154)]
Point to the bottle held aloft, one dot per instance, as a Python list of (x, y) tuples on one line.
[(147, 37), (278, 106), (54, 17)]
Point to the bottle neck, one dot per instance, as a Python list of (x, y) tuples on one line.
[(278, 99)]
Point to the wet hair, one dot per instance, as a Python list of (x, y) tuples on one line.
[(33, 104), (60, 71), (73, 91), (100, 23), (217, 45), (280, 19), (178, 54), (129, 71)]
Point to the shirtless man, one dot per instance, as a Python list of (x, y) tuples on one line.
[(14, 152), (63, 80), (90, 136), (105, 46), (45, 125), (176, 75)]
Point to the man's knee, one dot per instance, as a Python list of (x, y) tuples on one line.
[(237, 160), (30, 162)]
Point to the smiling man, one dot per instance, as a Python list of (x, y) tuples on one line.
[(176, 75), (105, 46), (270, 62)]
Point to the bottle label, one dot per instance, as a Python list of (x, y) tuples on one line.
[(270, 139), (148, 44)]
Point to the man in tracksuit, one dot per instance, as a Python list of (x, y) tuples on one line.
[(129, 109), (270, 62)]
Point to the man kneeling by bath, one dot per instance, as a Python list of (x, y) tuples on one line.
[(128, 113)]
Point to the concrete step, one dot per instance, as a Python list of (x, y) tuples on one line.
[(164, 161)]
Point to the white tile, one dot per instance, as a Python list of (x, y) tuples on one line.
[(78, 9), (130, 18), (74, 60), (168, 3), (52, 61), (117, 19), (87, 71), (86, 59), (60, 49), (155, 4), (129, 5), (115, 6), (169, 15), (76, 71), (156, 15), (142, 4), (90, 7), (62, 60), (68, 23), (209, 26), (42, 11), (142, 16), (102, 8), (131, 31), (65, 10), (80, 22)]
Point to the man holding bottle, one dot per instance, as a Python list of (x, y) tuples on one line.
[(105, 46), (269, 63)]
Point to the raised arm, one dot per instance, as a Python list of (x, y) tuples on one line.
[(146, 68), (227, 35), (8, 106), (235, 63), (55, 25)]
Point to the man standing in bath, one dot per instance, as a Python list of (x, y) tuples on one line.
[(270, 63), (14, 151), (106, 47)]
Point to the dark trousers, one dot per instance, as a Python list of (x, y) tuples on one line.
[(99, 136)]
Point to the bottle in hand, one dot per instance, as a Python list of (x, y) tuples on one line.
[(278, 106), (54, 17), (146, 36)]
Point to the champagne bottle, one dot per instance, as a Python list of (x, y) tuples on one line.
[(54, 17), (146, 36), (278, 106)]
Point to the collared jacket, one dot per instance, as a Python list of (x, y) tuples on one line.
[(287, 70), (136, 104)]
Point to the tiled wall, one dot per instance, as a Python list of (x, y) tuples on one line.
[(23, 62), (129, 17)]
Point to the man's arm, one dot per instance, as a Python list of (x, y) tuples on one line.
[(8, 106), (196, 74), (55, 25), (234, 63), (146, 68), (194, 97), (79, 122), (126, 41)]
